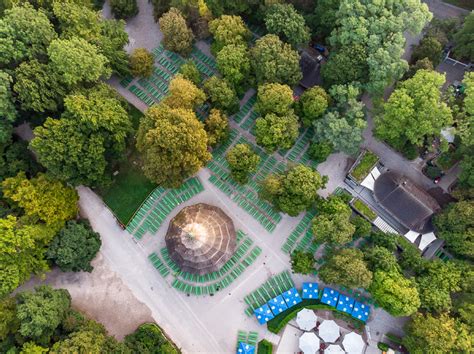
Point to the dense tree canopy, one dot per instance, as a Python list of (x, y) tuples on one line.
[(396, 294), (380, 258), (455, 225), (184, 94), (302, 262), (141, 62), (284, 21), (228, 30), (221, 95), (293, 191), (274, 132), (312, 104), (346, 65), (148, 338), (347, 268), (414, 110), (124, 8), (41, 311), (217, 127), (25, 33), (177, 37), (190, 72), (335, 228), (242, 162), (233, 62), (74, 247), (274, 98), (275, 61), (464, 46), (42, 198), (173, 144), (7, 108), (429, 47)]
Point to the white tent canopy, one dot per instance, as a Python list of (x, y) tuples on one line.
[(309, 343), (334, 349), (353, 343), (369, 181), (306, 319), (329, 331), (412, 236), (426, 239)]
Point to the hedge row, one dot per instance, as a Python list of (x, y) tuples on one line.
[(264, 347), (278, 322)]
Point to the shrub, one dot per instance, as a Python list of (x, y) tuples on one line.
[(124, 8), (319, 152), (433, 172), (264, 347), (383, 346), (148, 338), (190, 71), (364, 209), (141, 62)]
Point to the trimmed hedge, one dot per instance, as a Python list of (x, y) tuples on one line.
[(278, 322), (264, 347)]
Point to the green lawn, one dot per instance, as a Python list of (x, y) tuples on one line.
[(127, 191), (364, 166), (465, 4)]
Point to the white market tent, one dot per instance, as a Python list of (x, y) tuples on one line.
[(329, 331), (353, 343), (306, 319), (334, 349), (369, 181), (309, 343), (412, 236), (426, 239)]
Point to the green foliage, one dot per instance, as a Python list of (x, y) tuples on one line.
[(364, 209), (312, 105), (41, 311), (141, 62), (333, 205), (275, 61), (25, 33), (302, 262), (173, 144), (7, 108), (148, 338), (33, 348), (442, 29), (42, 198), (190, 72), (323, 18), (347, 268), (383, 346), (124, 8), (362, 226), (184, 94), (436, 284), (221, 95), (74, 247), (81, 156), (464, 46), (344, 124), (243, 161), (264, 347), (347, 65), (422, 64), (366, 163), (415, 110), (441, 334), (274, 132), (294, 191), (8, 321), (379, 29), (234, 64), (21, 252), (382, 239), (228, 30), (76, 61), (38, 89), (284, 21), (455, 225), (395, 293), (335, 228), (319, 152), (429, 47), (381, 259), (217, 127), (274, 98), (177, 37)]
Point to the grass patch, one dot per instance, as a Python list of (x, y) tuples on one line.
[(465, 4), (278, 322), (127, 191), (364, 209), (264, 347), (364, 166)]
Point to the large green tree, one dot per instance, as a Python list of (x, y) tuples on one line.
[(184, 94), (395, 293), (41, 311), (221, 95), (464, 46), (76, 61), (149, 338), (274, 132), (217, 127), (426, 333), (335, 228), (275, 61), (233, 62), (74, 247), (274, 98), (284, 21), (312, 105), (242, 162), (8, 112), (22, 249), (42, 198), (38, 89), (415, 110), (124, 8), (228, 30), (429, 47), (25, 33), (177, 37), (141, 62), (380, 258), (455, 225), (302, 262), (293, 191), (173, 144), (347, 268)]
